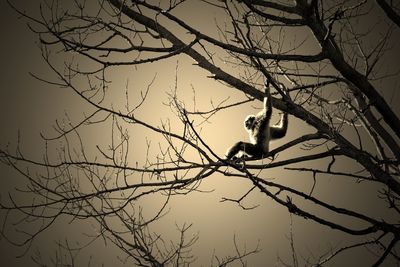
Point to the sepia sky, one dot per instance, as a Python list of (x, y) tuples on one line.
[(29, 108)]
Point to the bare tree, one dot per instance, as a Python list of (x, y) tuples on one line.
[(332, 65)]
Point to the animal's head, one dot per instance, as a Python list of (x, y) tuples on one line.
[(249, 122)]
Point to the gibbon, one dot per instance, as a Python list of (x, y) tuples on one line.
[(260, 131)]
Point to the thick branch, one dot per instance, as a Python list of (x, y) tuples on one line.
[(329, 47), (235, 49), (284, 20), (389, 11)]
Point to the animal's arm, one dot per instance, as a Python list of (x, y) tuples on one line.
[(262, 132), (279, 130), (267, 102)]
